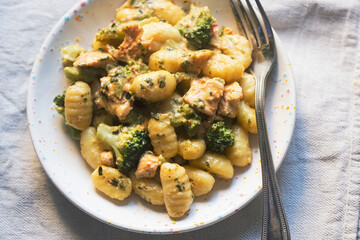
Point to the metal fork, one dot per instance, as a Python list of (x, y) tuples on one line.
[(261, 37)]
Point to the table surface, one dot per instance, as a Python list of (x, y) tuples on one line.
[(319, 179)]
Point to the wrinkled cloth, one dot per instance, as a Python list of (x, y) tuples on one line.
[(319, 179)]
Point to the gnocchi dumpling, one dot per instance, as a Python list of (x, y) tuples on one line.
[(248, 84), (154, 86), (163, 9), (179, 60), (148, 189), (247, 117), (225, 67), (111, 182), (78, 105), (162, 135), (90, 147), (201, 182), (240, 153), (166, 10), (191, 149), (157, 33), (177, 189), (215, 163)]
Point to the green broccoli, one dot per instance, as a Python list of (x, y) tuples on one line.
[(219, 138), (196, 27), (111, 34), (84, 74), (185, 116), (59, 101), (70, 53), (128, 143), (128, 72)]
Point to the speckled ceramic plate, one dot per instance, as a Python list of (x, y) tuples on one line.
[(60, 155)]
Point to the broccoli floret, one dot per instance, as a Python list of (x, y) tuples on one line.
[(59, 101), (70, 53), (111, 34), (197, 26), (127, 73), (84, 74), (219, 138), (128, 143), (185, 116)]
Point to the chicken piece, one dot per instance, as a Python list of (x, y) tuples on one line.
[(204, 95), (113, 99), (107, 159), (118, 107), (199, 59), (147, 166), (93, 59), (229, 103), (132, 46), (123, 108)]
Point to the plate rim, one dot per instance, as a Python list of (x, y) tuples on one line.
[(209, 221)]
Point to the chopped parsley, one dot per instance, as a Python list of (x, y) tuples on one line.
[(149, 82), (118, 183), (161, 82), (185, 65), (207, 164), (179, 187), (114, 182), (100, 171)]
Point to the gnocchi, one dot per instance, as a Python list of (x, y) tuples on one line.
[(78, 105), (201, 182), (240, 153), (154, 86), (248, 84), (215, 163), (177, 189), (247, 117), (90, 147), (163, 136), (111, 182), (225, 67), (148, 189), (192, 149)]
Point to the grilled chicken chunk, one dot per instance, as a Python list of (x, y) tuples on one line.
[(204, 95), (229, 103), (93, 59), (132, 46), (147, 166)]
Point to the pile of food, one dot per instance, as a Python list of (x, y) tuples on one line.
[(161, 104)]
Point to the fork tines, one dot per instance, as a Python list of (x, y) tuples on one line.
[(257, 31)]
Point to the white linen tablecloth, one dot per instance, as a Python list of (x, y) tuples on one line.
[(319, 179)]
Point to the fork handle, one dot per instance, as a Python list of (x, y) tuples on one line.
[(275, 225)]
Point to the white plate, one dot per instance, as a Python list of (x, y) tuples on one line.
[(60, 155)]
